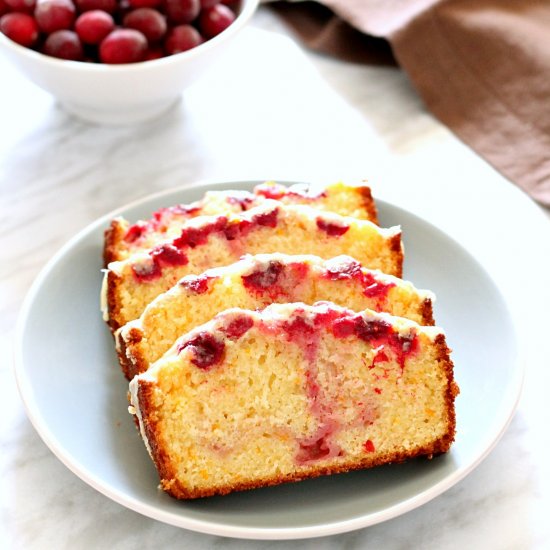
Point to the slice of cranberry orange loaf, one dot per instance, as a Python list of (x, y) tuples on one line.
[(255, 282), (252, 399), (213, 241), (122, 239)]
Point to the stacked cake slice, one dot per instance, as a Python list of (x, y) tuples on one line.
[(269, 337)]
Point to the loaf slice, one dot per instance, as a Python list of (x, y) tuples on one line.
[(123, 239), (255, 282), (252, 399), (213, 241)]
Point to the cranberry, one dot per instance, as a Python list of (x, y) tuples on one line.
[(331, 229), (205, 350), (182, 11), (93, 26), (135, 231), (238, 326), (214, 20), (110, 6), (145, 3), (372, 330), (148, 21), (64, 44), (54, 15), (20, 27), (261, 279), (123, 46), (25, 6), (167, 254), (208, 3), (155, 52), (197, 284), (4, 8), (369, 446), (195, 236), (268, 219)]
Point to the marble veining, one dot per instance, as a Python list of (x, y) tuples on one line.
[(275, 112)]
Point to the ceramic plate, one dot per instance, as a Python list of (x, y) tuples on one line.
[(75, 394)]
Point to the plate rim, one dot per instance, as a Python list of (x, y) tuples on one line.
[(211, 527)]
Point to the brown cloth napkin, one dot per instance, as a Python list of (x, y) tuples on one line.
[(481, 66)]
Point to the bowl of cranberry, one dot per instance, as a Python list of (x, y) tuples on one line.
[(118, 61)]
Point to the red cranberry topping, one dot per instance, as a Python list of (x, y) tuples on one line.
[(123, 46), (331, 229), (239, 229), (369, 330), (93, 26), (182, 11), (267, 219), (206, 351), (135, 232), (238, 326), (64, 44), (244, 199), (168, 254), (377, 331), (277, 192), (214, 20), (263, 278), (195, 236), (146, 271), (197, 284), (343, 269), (148, 21), (182, 38), (20, 27), (4, 8), (372, 287)]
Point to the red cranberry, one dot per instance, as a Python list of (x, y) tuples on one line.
[(182, 38), (20, 27), (123, 46), (205, 350), (268, 219), (208, 3), (331, 229), (64, 44), (167, 254), (265, 278), (110, 6), (238, 326), (148, 21), (4, 8), (93, 26), (182, 11), (372, 330), (54, 15), (197, 284), (213, 21), (145, 3), (155, 52), (25, 6)]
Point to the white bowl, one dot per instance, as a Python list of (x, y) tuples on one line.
[(122, 94)]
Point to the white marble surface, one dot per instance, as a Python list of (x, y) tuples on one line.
[(272, 111)]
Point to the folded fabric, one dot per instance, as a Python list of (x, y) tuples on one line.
[(482, 67)]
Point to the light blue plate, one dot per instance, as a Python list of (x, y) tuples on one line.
[(75, 394)]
